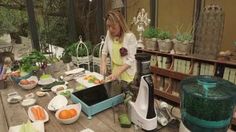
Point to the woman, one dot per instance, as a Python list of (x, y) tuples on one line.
[(121, 45), (5, 63)]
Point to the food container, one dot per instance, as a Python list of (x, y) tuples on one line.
[(76, 107), (207, 103), (96, 99)]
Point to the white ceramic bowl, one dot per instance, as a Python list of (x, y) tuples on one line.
[(31, 85), (58, 88), (28, 102), (77, 107), (46, 81), (57, 102)]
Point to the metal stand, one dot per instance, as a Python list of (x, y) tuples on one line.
[(141, 20)]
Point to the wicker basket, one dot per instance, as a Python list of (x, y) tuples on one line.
[(150, 44), (182, 48), (165, 45)]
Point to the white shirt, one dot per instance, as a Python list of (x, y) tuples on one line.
[(130, 43)]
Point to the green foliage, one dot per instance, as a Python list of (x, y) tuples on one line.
[(12, 20), (71, 50), (96, 52), (55, 33), (235, 43), (28, 63), (202, 107), (150, 33), (163, 35), (184, 37)]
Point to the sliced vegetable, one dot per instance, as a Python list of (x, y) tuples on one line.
[(38, 113), (35, 113)]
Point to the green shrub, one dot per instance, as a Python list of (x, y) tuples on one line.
[(71, 50), (150, 33), (28, 62), (164, 35), (184, 37)]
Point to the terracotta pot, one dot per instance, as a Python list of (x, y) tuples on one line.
[(150, 44), (165, 45), (183, 48)]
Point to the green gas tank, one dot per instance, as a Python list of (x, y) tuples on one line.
[(207, 103)]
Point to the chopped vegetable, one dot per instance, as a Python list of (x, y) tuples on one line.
[(38, 113), (66, 93), (45, 76)]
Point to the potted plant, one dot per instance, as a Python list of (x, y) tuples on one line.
[(150, 41), (27, 65), (183, 42), (66, 58), (79, 52), (164, 42)]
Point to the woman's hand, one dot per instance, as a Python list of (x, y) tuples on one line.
[(113, 76)]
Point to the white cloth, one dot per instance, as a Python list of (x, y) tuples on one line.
[(130, 43)]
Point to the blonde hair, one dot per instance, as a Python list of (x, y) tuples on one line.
[(7, 61), (116, 17)]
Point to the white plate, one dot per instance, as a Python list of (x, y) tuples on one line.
[(14, 99), (31, 116), (84, 82), (55, 88), (71, 90), (74, 71), (57, 102), (37, 125), (46, 81), (28, 102)]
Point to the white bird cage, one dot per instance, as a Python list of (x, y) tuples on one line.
[(96, 60), (81, 60)]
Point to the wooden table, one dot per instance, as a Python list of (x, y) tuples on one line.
[(15, 114)]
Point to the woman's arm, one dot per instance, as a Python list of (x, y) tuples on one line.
[(118, 72)]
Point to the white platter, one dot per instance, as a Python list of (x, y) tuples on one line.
[(55, 88), (31, 116), (57, 102), (37, 125), (74, 71), (84, 82), (46, 81)]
